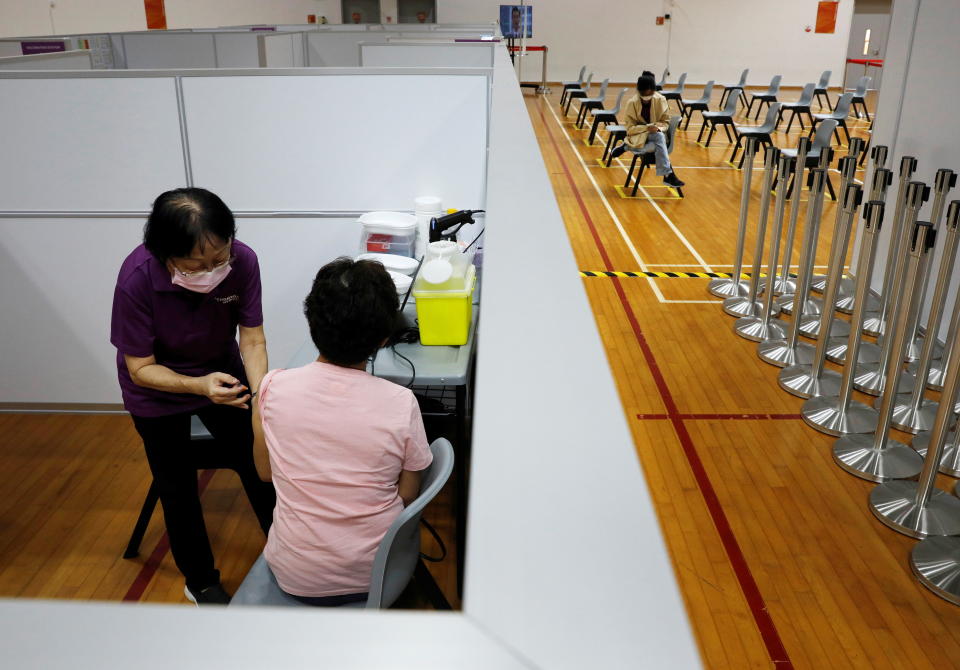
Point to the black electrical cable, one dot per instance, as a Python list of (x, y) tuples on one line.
[(436, 536), (475, 240), (413, 368)]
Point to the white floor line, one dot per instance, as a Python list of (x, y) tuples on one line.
[(606, 203)]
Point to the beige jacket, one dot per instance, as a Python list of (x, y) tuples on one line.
[(636, 129)]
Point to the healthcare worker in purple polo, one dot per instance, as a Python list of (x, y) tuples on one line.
[(180, 299)]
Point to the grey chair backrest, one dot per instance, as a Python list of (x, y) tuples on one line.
[(663, 78), (672, 131), (806, 95), (394, 562), (707, 92), (681, 82), (823, 136), (824, 79), (862, 86), (842, 110), (586, 84), (743, 77), (399, 550), (770, 120), (616, 108), (730, 109), (603, 89), (583, 73), (774, 85)]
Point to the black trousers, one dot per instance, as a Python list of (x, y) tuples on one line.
[(174, 461)]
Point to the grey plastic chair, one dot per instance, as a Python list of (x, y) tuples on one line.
[(676, 93), (738, 87), (663, 79), (647, 157), (860, 95), (839, 114), (801, 106), (821, 143), (586, 104), (567, 85), (769, 96), (577, 93), (722, 118), (822, 89), (605, 116), (701, 104), (396, 560), (761, 132)]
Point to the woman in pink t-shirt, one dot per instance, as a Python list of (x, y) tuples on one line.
[(345, 448)]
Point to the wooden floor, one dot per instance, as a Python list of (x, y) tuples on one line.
[(780, 562)]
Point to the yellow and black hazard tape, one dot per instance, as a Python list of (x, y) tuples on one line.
[(667, 275)]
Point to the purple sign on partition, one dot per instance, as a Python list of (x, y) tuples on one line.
[(42, 47), (264, 28)]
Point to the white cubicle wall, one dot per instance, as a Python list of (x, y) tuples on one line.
[(339, 48), (162, 50), (282, 49), (427, 54), (94, 149), (59, 60)]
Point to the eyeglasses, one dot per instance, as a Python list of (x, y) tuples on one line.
[(194, 273)]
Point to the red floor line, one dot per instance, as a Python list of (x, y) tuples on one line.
[(152, 564), (724, 417), (765, 625)]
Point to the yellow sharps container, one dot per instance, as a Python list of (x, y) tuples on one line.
[(445, 310)]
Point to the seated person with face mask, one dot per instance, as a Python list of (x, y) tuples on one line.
[(345, 448), (647, 117)]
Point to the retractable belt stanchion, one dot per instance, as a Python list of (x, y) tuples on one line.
[(844, 415), (808, 381), (810, 326), (867, 352), (919, 508), (936, 563), (819, 282), (786, 352), (873, 324), (877, 457), (735, 286), (871, 377), (914, 412), (749, 305), (785, 285), (763, 327), (944, 181), (810, 306)]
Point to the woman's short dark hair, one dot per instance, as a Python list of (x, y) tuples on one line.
[(646, 83), (351, 309), (648, 73), (184, 218)]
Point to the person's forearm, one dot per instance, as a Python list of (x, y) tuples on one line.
[(254, 362), (161, 378)]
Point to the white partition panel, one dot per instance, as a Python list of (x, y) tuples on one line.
[(61, 60), (169, 50), (268, 143), (89, 144), (332, 48), (278, 49), (424, 54), (237, 49)]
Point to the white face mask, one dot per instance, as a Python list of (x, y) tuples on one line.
[(646, 98)]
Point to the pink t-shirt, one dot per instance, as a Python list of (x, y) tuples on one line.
[(338, 439)]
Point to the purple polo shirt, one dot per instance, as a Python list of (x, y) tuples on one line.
[(191, 333)]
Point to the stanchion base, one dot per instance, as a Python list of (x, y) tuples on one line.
[(895, 505), (812, 307), (780, 287), (934, 377), (798, 380), (779, 353), (819, 284), (909, 420), (869, 379), (738, 306), (894, 460), (846, 304), (913, 348), (810, 327), (872, 325), (825, 414), (837, 351), (936, 563), (753, 328), (726, 288), (948, 459)]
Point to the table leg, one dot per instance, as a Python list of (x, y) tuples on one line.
[(461, 468)]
